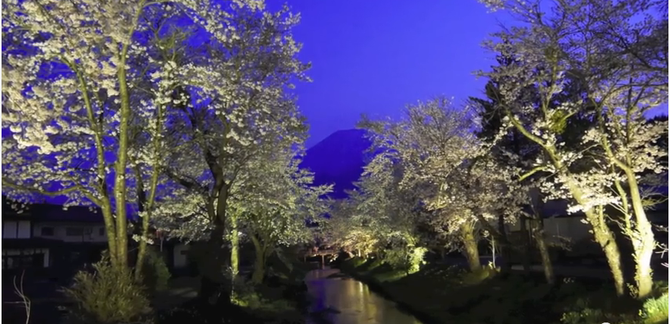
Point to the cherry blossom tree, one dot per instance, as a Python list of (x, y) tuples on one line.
[(76, 74), (112, 65), (274, 199), (218, 134), (354, 233), (620, 63), (437, 149), (397, 209)]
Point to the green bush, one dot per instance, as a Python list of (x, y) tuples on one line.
[(655, 310), (416, 258), (155, 273), (406, 258), (584, 316), (583, 311), (106, 295)]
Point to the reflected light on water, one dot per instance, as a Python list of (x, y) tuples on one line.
[(353, 300)]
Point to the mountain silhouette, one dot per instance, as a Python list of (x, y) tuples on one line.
[(338, 159)]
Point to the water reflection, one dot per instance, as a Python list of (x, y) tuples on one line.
[(352, 301)]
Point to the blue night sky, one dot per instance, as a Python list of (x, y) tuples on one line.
[(375, 57)]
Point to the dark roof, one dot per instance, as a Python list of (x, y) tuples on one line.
[(55, 213)]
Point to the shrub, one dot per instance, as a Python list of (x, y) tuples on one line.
[(584, 316), (155, 273), (655, 310), (583, 311), (406, 258), (106, 295), (257, 299), (416, 258)]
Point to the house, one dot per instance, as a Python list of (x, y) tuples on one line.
[(571, 231), (45, 236), (557, 224), (19, 248)]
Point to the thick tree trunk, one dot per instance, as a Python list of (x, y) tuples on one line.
[(234, 251), (602, 233), (120, 167), (541, 243), (259, 264), (470, 246), (609, 246), (110, 229), (643, 242), (605, 237), (643, 272), (211, 264), (146, 205)]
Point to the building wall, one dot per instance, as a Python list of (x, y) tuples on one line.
[(568, 227), (7, 255), (180, 256), (12, 229), (70, 232)]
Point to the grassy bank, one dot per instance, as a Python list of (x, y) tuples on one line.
[(282, 298), (440, 294), (279, 301), (98, 297)]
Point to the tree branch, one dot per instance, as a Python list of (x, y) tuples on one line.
[(531, 172), (53, 193)]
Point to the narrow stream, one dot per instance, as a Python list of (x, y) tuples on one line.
[(348, 301)]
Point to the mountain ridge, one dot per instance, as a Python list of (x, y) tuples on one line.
[(339, 159)]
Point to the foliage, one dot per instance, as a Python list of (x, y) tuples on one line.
[(434, 169), (655, 310), (589, 315), (107, 295), (593, 66), (405, 258), (274, 197), (155, 273), (257, 302), (121, 89), (227, 132)]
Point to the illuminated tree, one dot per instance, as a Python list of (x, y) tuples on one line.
[(274, 199), (621, 65), (437, 151), (352, 232), (77, 73), (219, 134), (123, 72)]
